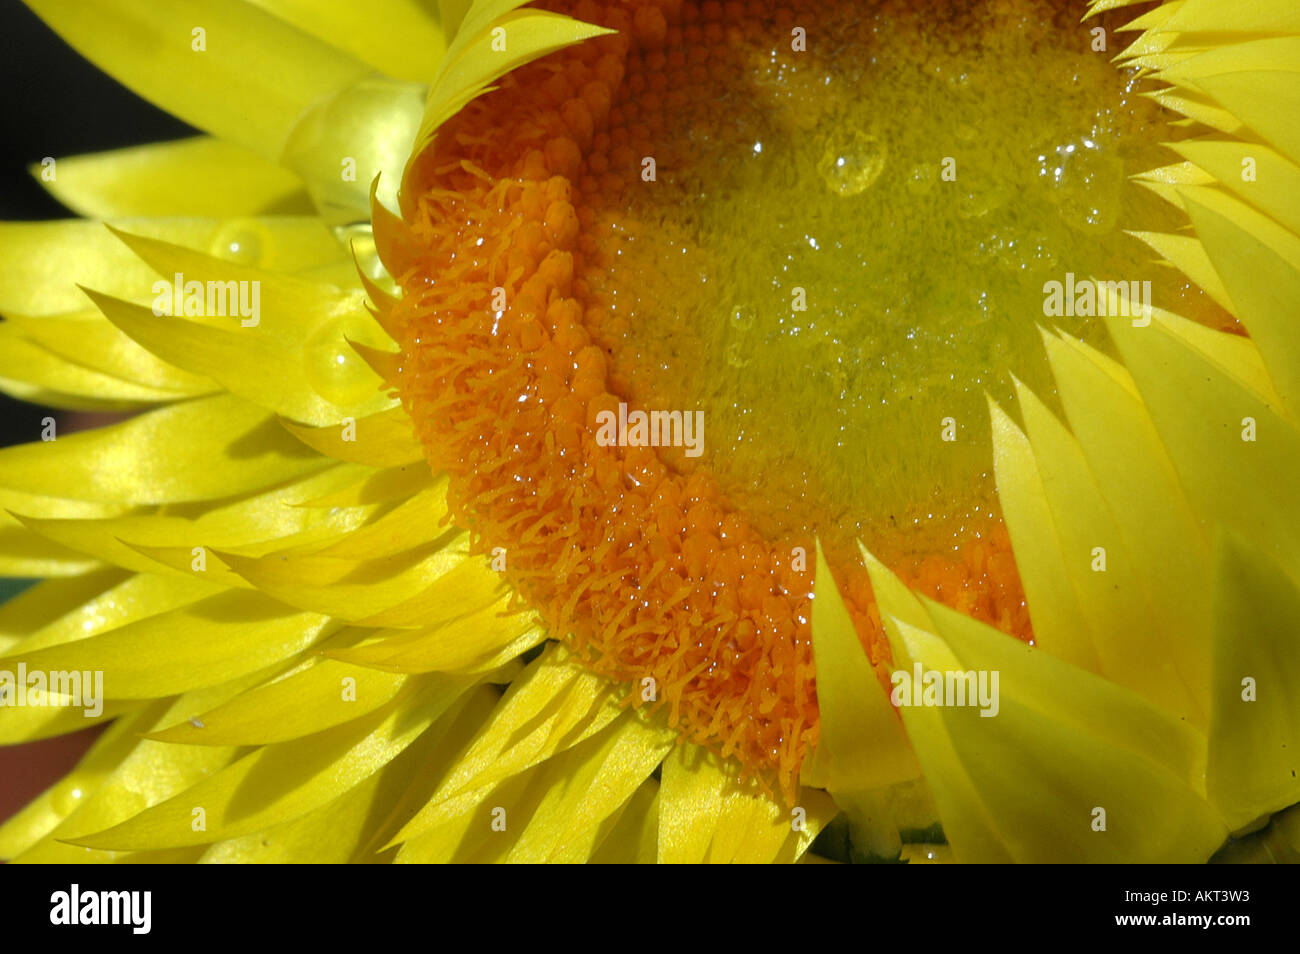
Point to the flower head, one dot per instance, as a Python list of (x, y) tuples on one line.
[(660, 441)]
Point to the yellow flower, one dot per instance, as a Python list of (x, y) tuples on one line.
[(315, 647)]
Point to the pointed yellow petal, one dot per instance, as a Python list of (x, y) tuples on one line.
[(1274, 188), (27, 367), (1206, 421), (149, 774), (212, 641), (200, 176), (345, 588), (228, 68), (198, 450), (475, 640), (24, 829), (44, 262), (317, 694), (279, 782), (123, 602), (398, 37), (251, 526), (576, 814), (1136, 477), (552, 707), (1060, 625), (383, 439), (266, 370), (862, 744), (1187, 254), (1263, 277), (1254, 758), (967, 823), (43, 603), (89, 339), (493, 39), (1039, 773), (634, 839), (705, 815), (1229, 16)]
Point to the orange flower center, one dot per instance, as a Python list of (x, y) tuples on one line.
[(740, 274)]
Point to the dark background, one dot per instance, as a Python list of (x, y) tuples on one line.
[(55, 104)]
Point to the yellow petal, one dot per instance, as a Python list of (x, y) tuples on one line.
[(472, 62), (383, 439), (1060, 625), (121, 602), (228, 68), (276, 783), (1135, 645), (51, 807), (582, 807), (27, 368), (862, 745), (44, 262), (1203, 415), (1261, 271), (706, 815), (200, 176), (149, 774), (268, 371), (317, 694), (251, 526), (87, 338), (214, 640), (1275, 187), (398, 37), (1036, 773), (634, 838), (345, 588), (1254, 754), (552, 707), (198, 450), (468, 641), (41, 604)]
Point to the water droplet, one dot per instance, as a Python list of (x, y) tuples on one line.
[(1086, 182), (239, 241), (334, 369), (851, 161), (921, 179), (66, 800)]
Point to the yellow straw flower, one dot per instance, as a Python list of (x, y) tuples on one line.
[(366, 579)]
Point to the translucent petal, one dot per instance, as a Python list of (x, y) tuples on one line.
[(211, 641), (246, 78), (203, 449), (399, 37), (200, 176), (276, 783), (1254, 755), (550, 708), (862, 744), (705, 815), (472, 63)]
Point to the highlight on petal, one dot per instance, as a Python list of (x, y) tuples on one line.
[(493, 38), (862, 745), (230, 69), (199, 177), (706, 815), (1254, 739), (279, 782)]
